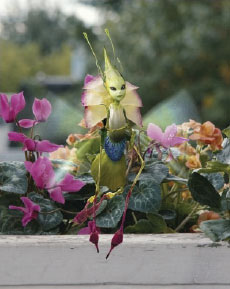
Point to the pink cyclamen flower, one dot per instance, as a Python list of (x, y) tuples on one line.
[(93, 231), (168, 138), (33, 145), (30, 210), (43, 174), (41, 110), (10, 109)]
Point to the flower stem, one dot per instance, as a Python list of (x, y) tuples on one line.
[(181, 225)]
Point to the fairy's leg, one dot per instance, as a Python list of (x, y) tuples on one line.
[(94, 236), (118, 236)]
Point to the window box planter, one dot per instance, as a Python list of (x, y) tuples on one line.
[(142, 261)]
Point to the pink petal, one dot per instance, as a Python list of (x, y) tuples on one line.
[(42, 172), (84, 231), (17, 208), (30, 145), (178, 140), (171, 131), (133, 114), (154, 132), (28, 165), (30, 205), (7, 113), (92, 82), (69, 184), (94, 114), (18, 102), (27, 123), (47, 146), (130, 86), (41, 109), (169, 135), (132, 98), (16, 136), (89, 78), (56, 195)]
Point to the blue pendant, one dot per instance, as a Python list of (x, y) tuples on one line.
[(114, 150)]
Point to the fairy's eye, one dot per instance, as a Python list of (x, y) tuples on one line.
[(123, 86), (113, 88)]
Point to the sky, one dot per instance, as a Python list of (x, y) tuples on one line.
[(88, 14)]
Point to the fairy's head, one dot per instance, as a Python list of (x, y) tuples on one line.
[(113, 80)]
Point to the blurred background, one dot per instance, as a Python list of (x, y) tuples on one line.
[(176, 51)]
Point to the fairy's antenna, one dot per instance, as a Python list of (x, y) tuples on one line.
[(110, 39), (94, 54), (114, 54), (120, 64)]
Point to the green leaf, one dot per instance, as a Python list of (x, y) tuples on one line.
[(216, 230), (203, 191), (158, 223), (87, 146), (155, 171), (225, 200), (226, 131), (112, 214), (142, 226), (176, 179), (47, 220), (13, 177), (146, 197), (215, 167)]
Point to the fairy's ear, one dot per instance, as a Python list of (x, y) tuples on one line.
[(94, 54)]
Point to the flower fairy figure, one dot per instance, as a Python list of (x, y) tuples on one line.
[(109, 99)]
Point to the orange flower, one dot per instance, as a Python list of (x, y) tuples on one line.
[(186, 126), (187, 149), (64, 154), (207, 133), (208, 215), (193, 162), (93, 132)]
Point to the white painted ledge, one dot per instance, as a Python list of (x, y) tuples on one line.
[(143, 261)]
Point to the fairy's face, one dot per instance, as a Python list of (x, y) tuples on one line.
[(114, 82), (115, 85)]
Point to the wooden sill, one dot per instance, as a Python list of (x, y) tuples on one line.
[(142, 261)]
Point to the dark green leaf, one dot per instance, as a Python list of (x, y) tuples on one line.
[(11, 224), (216, 230), (203, 191), (154, 171), (146, 197), (158, 223), (112, 214), (168, 215), (13, 177), (47, 220), (141, 227)]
